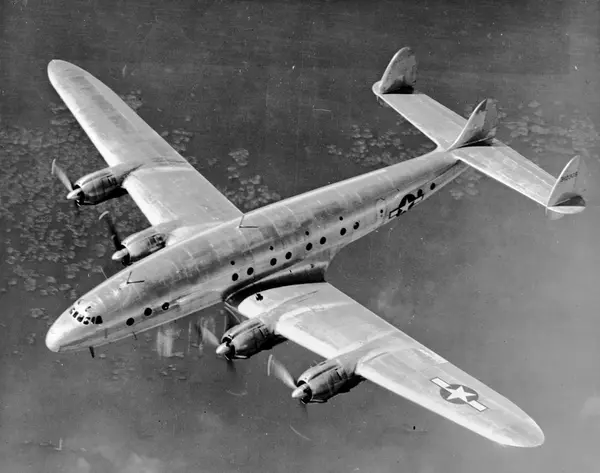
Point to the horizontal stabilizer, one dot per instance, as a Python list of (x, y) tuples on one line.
[(473, 141), (481, 126), (505, 165), (397, 90)]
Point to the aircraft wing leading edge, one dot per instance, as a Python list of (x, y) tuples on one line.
[(473, 141), (164, 186), (325, 320)]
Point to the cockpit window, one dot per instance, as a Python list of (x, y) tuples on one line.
[(84, 316), (156, 239)]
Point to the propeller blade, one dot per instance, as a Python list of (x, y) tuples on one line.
[(276, 369), (62, 176), (206, 335), (303, 407), (112, 231)]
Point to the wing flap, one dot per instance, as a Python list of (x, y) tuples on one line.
[(328, 322), (165, 187)]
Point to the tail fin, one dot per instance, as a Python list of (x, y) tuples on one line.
[(566, 195), (480, 128), (401, 74)]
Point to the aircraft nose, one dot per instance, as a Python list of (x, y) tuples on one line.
[(53, 339), (59, 332)]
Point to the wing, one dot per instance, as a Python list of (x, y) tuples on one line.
[(328, 322), (165, 187)]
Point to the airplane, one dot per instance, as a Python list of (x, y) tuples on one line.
[(268, 266)]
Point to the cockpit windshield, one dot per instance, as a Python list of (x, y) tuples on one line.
[(83, 315)]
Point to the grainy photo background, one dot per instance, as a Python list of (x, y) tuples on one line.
[(269, 99)]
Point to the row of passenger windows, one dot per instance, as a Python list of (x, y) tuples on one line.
[(147, 312), (288, 255), (97, 320)]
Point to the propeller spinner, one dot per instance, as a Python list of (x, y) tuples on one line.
[(302, 392), (75, 193), (224, 350)]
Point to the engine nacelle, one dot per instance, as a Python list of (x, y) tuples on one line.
[(139, 245), (323, 381), (101, 185), (247, 339)]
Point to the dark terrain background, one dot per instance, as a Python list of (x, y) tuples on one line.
[(269, 99)]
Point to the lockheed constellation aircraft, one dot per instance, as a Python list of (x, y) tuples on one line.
[(268, 265)]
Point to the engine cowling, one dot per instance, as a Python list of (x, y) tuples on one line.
[(247, 339), (139, 245), (100, 186), (323, 381)]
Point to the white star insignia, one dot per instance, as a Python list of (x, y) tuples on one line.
[(406, 206), (459, 393)]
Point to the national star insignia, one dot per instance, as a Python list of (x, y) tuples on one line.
[(459, 394), (406, 206)]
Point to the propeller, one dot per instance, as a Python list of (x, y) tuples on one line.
[(301, 392), (224, 350), (75, 193), (121, 254)]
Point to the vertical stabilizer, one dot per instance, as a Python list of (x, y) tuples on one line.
[(481, 126), (566, 196), (401, 74)]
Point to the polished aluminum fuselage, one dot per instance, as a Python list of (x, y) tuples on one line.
[(209, 264)]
